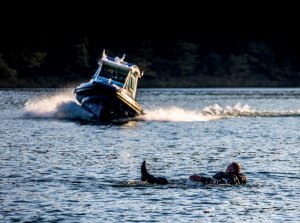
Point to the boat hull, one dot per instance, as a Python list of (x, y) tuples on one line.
[(107, 102)]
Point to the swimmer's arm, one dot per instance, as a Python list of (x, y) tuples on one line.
[(198, 178)]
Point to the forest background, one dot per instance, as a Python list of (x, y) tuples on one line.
[(253, 46)]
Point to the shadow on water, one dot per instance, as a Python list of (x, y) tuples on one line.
[(118, 122), (178, 183)]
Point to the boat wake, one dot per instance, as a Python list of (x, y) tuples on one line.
[(209, 113), (175, 114), (63, 106), (59, 106)]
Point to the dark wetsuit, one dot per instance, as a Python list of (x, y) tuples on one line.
[(219, 178), (150, 178), (225, 178)]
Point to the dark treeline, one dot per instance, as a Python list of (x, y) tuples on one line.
[(62, 50), (50, 61)]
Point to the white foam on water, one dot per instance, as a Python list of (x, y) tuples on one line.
[(210, 113), (228, 111), (60, 105), (239, 110), (175, 114), (63, 106)]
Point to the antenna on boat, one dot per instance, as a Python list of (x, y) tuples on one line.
[(123, 57), (104, 56), (119, 60)]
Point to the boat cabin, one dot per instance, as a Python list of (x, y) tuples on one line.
[(117, 72)]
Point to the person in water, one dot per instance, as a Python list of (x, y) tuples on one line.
[(232, 176)]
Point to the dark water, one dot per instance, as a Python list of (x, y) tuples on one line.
[(57, 166)]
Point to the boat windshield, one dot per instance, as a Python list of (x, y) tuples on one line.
[(115, 74)]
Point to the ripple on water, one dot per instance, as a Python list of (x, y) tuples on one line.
[(61, 170)]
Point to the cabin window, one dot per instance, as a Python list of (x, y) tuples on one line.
[(115, 74)]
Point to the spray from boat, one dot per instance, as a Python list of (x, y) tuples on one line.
[(58, 106), (62, 105)]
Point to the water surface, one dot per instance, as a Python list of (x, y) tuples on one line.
[(58, 166)]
